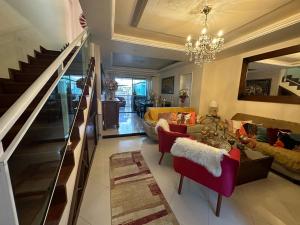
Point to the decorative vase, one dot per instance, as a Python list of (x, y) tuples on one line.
[(110, 95)]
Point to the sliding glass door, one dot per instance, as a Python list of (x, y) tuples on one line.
[(130, 90)]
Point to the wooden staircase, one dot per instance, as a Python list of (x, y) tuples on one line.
[(290, 85), (57, 207), (10, 90)]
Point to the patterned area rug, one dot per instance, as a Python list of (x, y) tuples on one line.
[(136, 198)]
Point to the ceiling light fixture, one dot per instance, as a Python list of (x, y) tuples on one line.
[(204, 49)]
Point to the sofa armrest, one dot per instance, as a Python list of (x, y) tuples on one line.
[(234, 153)]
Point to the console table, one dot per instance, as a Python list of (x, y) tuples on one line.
[(110, 113)]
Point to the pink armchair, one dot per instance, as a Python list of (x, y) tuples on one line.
[(223, 185), (166, 139)]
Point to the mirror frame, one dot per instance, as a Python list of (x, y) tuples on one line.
[(267, 55)]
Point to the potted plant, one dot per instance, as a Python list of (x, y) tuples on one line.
[(111, 87), (183, 95)]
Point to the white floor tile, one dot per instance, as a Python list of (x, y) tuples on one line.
[(272, 201)]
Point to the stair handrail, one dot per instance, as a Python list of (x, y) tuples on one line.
[(292, 81), (9, 118)]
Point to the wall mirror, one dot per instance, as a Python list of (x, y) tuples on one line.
[(272, 77)]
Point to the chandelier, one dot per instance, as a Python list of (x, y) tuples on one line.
[(204, 49)]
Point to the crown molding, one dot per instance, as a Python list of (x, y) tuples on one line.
[(147, 42), (131, 71), (292, 20)]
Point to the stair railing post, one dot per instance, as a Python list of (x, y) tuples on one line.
[(8, 211)]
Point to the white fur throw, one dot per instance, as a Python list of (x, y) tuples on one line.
[(205, 155), (163, 124)]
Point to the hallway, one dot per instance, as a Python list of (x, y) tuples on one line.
[(130, 123)]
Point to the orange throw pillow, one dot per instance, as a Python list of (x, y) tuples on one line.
[(279, 144), (187, 118)]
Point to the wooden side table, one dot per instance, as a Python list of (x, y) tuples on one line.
[(110, 113)]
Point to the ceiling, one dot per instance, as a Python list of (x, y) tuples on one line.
[(140, 62), (180, 18), (158, 28)]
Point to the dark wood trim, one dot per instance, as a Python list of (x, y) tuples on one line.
[(77, 200), (219, 203), (275, 53), (123, 135), (162, 155), (180, 184), (274, 99), (138, 12), (267, 55)]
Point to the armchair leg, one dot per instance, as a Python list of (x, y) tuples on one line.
[(162, 155), (219, 205), (180, 184)]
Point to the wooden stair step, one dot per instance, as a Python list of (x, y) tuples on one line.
[(24, 66), (64, 174), (34, 60), (79, 118), (86, 91), (27, 77), (66, 169), (14, 72), (83, 103), (57, 206), (75, 134), (41, 54), (44, 50), (34, 68), (11, 86), (73, 144), (29, 208)]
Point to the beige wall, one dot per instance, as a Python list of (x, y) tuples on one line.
[(221, 82), (196, 83), (25, 25)]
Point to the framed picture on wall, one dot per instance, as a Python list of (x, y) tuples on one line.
[(167, 85)]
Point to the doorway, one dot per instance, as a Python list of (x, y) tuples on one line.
[(186, 81), (129, 91)]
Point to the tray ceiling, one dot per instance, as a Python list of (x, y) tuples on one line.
[(179, 18), (132, 61)]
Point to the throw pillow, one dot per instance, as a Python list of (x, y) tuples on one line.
[(251, 129), (288, 142), (170, 117), (235, 125), (261, 134), (272, 134), (163, 124), (279, 144), (187, 118)]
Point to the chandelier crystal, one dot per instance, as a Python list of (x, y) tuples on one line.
[(205, 48)]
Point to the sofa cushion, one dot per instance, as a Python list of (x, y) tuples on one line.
[(152, 112), (287, 158)]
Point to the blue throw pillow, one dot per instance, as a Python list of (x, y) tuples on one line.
[(289, 143), (295, 137), (261, 134)]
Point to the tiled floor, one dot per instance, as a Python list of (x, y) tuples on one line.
[(129, 123), (272, 201)]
